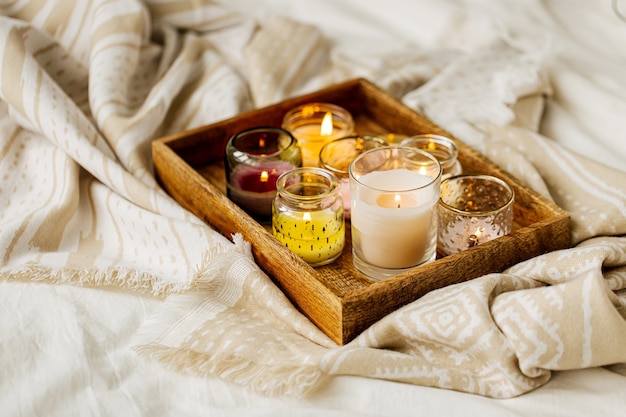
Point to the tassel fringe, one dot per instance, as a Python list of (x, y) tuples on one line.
[(124, 277)]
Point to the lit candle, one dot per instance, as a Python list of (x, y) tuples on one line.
[(254, 187), (441, 147), (254, 159), (473, 209), (316, 236), (396, 200), (394, 193), (316, 124), (337, 155), (394, 230), (307, 215)]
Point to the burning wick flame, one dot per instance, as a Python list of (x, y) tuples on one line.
[(307, 217), (327, 125), (473, 239), (396, 201), (264, 176)]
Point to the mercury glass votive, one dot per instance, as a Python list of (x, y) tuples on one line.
[(337, 155), (441, 147), (254, 159), (314, 125), (473, 209), (307, 215)]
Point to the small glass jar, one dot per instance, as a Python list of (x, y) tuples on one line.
[(394, 193), (473, 209), (254, 159), (307, 215), (337, 155), (316, 124), (441, 147)]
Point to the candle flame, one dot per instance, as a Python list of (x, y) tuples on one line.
[(264, 176), (423, 170), (396, 201), (262, 143), (327, 125), (307, 217)]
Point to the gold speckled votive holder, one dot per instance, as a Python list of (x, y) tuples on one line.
[(473, 209)]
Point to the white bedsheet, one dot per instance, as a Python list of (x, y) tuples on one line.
[(66, 350)]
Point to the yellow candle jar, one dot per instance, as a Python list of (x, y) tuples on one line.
[(307, 215)]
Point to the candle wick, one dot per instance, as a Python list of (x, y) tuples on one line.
[(473, 240)]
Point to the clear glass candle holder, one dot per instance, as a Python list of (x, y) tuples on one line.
[(316, 124), (473, 209), (308, 216), (441, 147), (253, 160), (394, 192), (337, 155)]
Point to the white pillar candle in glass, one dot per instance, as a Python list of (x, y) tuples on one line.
[(394, 193)]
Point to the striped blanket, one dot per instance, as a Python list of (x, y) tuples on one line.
[(85, 86)]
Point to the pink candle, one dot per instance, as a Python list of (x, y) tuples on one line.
[(253, 187), (254, 159), (336, 156)]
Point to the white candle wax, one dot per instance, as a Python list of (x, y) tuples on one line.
[(388, 236)]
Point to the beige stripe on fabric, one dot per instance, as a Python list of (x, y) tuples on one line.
[(163, 9), (56, 21), (61, 205), (130, 23), (12, 63)]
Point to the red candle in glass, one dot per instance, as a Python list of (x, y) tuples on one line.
[(254, 159)]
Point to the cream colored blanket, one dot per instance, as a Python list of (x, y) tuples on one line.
[(85, 86)]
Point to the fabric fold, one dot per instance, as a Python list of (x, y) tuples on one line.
[(83, 96), (236, 325)]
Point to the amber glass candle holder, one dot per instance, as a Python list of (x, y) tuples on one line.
[(316, 124), (473, 209)]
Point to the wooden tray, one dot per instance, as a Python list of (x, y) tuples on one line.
[(336, 297)]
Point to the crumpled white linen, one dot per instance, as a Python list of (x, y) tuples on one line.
[(84, 208)]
